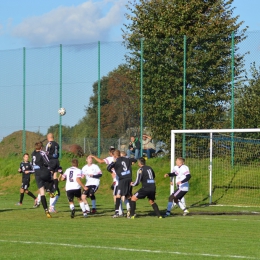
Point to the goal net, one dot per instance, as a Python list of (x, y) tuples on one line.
[(224, 165)]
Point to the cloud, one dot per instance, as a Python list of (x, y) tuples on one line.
[(87, 22)]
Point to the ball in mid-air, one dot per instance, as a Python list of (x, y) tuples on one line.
[(62, 111)]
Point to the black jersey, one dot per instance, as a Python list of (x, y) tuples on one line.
[(122, 167), (52, 150), (146, 176), (26, 166), (40, 160)]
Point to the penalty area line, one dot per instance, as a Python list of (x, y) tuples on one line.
[(129, 249)]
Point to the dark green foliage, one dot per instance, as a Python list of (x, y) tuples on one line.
[(119, 104), (247, 110), (208, 26)]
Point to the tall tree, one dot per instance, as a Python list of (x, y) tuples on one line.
[(162, 24), (119, 104), (247, 110)]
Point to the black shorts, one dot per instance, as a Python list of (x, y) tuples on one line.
[(25, 184), (54, 165), (142, 193), (124, 188), (90, 191), (178, 194), (73, 193), (42, 176)]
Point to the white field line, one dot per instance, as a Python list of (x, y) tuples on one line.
[(131, 249)]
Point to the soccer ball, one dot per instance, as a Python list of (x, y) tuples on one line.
[(62, 111)]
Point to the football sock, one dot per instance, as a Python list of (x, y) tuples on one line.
[(31, 195), (183, 202), (55, 182), (87, 207), (82, 206), (127, 203), (169, 206), (39, 198), (117, 204), (55, 200), (181, 205), (120, 210), (51, 201), (44, 202), (132, 207), (21, 197), (93, 204), (72, 206), (156, 210), (58, 190)]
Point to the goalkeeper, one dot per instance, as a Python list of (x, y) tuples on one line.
[(182, 174)]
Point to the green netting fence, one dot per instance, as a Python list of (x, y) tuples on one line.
[(36, 82)]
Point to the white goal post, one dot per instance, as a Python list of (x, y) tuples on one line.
[(206, 147)]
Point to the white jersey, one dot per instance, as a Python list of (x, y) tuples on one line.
[(181, 173), (71, 174), (92, 169), (109, 160)]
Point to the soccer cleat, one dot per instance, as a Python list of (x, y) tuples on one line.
[(93, 211), (185, 212), (121, 215), (18, 204), (167, 214), (52, 209), (132, 217), (53, 194), (48, 214), (85, 215), (115, 216), (72, 215), (36, 204)]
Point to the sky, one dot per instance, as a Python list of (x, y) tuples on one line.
[(42, 23), (29, 23), (36, 23)]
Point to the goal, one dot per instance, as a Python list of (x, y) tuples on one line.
[(224, 165)]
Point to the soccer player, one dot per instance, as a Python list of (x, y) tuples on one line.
[(93, 174), (123, 169), (52, 151), (182, 174), (73, 176), (107, 161), (26, 169), (145, 175), (40, 162)]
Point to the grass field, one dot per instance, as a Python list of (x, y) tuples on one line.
[(209, 232)]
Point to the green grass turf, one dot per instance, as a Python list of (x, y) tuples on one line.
[(210, 232), (26, 233)]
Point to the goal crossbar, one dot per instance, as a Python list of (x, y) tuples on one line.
[(210, 132)]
